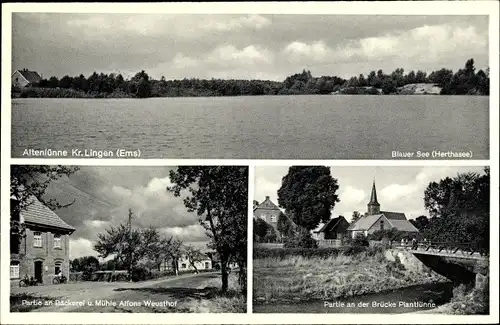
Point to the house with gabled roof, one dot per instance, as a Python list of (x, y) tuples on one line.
[(44, 250), (25, 77), (375, 220), (269, 212), (335, 228)]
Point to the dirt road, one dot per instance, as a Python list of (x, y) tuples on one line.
[(172, 294)]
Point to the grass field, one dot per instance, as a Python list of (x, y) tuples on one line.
[(296, 277)]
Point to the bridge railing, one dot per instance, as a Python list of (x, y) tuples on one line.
[(445, 247)]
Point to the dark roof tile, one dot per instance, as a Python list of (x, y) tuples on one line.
[(37, 213)]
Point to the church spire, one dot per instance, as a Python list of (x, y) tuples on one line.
[(373, 205)]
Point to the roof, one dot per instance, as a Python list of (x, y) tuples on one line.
[(30, 76), (364, 223), (267, 204), (393, 215), (37, 213), (331, 223), (403, 225), (396, 220)]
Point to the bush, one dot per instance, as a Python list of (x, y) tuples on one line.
[(359, 240), (353, 250), (281, 253), (140, 273), (76, 276), (302, 239)]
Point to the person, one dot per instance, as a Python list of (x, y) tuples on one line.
[(414, 243), (402, 242)]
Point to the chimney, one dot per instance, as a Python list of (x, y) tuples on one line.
[(267, 197)]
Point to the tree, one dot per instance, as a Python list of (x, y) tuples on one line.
[(27, 184), (308, 194), (65, 82), (219, 195), (459, 209), (193, 255), (260, 228), (420, 222), (285, 226), (85, 264), (141, 86), (388, 86), (53, 82), (156, 247), (125, 243), (355, 217), (301, 239), (174, 252)]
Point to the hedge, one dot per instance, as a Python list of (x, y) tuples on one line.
[(262, 252), (322, 252)]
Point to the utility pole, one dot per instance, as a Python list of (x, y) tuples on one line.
[(129, 244)]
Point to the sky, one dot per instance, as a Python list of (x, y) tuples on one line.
[(399, 189), (103, 196), (243, 46)]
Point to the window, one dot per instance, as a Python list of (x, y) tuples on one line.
[(37, 239), (57, 241), (57, 268), (183, 265), (381, 224), (207, 265), (14, 270), (273, 218), (17, 79)]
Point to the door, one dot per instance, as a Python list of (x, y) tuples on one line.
[(39, 271)]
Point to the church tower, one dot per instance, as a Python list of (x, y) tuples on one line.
[(373, 205)]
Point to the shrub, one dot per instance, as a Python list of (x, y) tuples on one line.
[(76, 276), (281, 253), (353, 250), (302, 239), (140, 273), (360, 240)]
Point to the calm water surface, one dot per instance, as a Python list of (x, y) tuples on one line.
[(439, 294), (267, 127)]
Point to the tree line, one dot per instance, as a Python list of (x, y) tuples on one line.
[(465, 81)]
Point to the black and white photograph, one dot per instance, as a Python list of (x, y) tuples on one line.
[(249, 86), (116, 239), (377, 240)]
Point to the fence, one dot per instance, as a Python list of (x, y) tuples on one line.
[(269, 245), (333, 243)]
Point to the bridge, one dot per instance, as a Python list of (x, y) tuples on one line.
[(459, 262)]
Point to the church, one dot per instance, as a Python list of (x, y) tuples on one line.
[(374, 219)]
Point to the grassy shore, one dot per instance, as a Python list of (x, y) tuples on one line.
[(300, 278)]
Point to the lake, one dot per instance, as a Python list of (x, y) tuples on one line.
[(259, 127), (406, 300)]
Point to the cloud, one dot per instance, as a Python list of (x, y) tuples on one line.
[(248, 55), (351, 195), (191, 233), (417, 186), (81, 247), (251, 21), (181, 61), (425, 43), (104, 195), (317, 51), (237, 46)]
